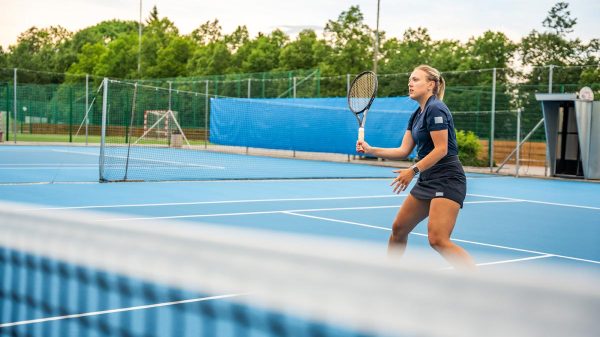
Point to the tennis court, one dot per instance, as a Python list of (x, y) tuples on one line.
[(546, 229)]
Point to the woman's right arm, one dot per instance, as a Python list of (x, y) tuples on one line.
[(388, 153)]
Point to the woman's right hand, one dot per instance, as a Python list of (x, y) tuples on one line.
[(362, 147)]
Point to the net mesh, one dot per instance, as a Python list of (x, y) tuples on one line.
[(67, 274), (155, 134)]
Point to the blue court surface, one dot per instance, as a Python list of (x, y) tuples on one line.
[(517, 222), (528, 221)]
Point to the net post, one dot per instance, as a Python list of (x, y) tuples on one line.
[(492, 121), (103, 129), (15, 106)]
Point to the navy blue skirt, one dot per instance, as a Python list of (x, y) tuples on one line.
[(445, 179)]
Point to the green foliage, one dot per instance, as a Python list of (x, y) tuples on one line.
[(111, 48), (469, 148), (559, 19)]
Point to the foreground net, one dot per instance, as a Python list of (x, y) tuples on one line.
[(154, 133), (62, 275)]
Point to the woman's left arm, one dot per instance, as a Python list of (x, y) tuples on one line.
[(440, 149)]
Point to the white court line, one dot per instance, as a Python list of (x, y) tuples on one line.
[(303, 199), (515, 260), (144, 159), (61, 167), (457, 240), (536, 202), (42, 164), (246, 213), (267, 212), (96, 313), (219, 202)]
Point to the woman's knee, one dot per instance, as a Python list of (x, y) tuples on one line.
[(438, 240), (400, 229)]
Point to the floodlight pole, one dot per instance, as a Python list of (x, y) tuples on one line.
[(139, 68), (376, 52)]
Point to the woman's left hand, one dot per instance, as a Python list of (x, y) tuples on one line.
[(401, 182)]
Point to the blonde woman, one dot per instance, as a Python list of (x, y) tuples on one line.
[(441, 187)]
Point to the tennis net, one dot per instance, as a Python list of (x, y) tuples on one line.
[(83, 274), (157, 133)]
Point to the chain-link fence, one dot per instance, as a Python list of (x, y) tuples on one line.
[(50, 107)]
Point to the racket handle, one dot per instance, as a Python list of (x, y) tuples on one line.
[(361, 134)]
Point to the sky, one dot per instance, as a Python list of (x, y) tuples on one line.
[(445, 19)]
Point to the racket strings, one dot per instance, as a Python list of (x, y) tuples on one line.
[(362, 92)]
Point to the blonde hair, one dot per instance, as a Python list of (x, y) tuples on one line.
[(435, 76)]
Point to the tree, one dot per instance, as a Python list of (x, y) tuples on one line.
[(172, 60), (39, 49), (351, 41), (559, 19), (262, 54), (208, 32), (306, 52), (402, 56), (212, 59)]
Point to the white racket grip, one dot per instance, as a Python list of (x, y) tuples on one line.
[(361, 134)]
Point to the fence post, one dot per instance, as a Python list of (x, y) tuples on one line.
[(249, 87), (206, 117), (550, 73), (492, 121), (294, 86), (7, 131), (87, 118), (518, 142), (170, 86), (347, 83), (70, 114), (15, 106)]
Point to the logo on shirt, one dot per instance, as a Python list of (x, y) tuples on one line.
[(438, 120), (439, 194)]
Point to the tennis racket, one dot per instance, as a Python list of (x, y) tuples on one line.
[(360, 97)]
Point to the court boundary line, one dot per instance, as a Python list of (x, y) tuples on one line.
[(457, 240), (303, 199), (188, 216), (218, 202), (112, 311)]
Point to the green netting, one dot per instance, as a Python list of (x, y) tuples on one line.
[(52, 107)]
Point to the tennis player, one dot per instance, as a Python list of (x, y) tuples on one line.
[(441, 186)]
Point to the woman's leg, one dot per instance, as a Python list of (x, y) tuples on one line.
[(410, 214), (442, 218)]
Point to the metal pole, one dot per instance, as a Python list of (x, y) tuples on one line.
[(294, 86), (518, 142), (376, 52), (15, 106), (492, 121), (170, 86), (103, 129), (87, 119), (206, 117), (550, 73), (347, 83), (249, 87), (139, 67)]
